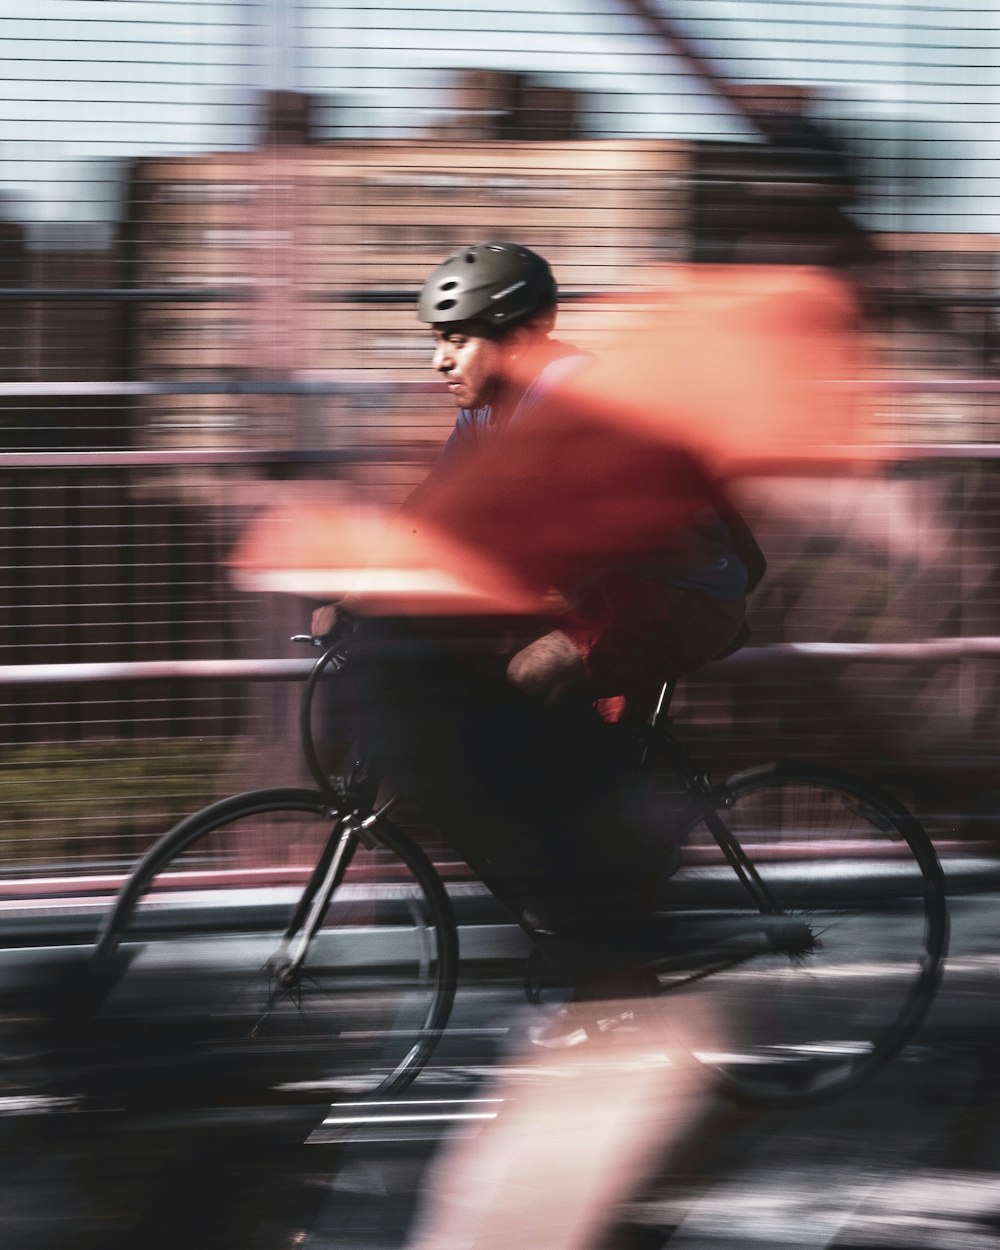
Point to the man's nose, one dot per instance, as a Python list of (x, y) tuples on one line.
[(442, 359)]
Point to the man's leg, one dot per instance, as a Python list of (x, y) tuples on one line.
[(532, 794)]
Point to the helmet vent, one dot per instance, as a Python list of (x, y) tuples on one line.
[(449, 286), (444, 304), (470, 258)]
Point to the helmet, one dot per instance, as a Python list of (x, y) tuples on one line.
[(500, 283)]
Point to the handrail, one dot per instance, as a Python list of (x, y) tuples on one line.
[(154, 670), (419, 452), (916, 652), (408, 453), (274, 669), (345, 384)]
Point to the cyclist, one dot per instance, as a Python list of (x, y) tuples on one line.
[(507, 744), (492, 308)]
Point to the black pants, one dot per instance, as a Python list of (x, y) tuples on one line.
[(544, 803)]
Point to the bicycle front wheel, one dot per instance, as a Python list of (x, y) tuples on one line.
[(811, 999), (197, 938)]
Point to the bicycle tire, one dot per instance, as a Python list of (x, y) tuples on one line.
[(191, 931), (853, 869)]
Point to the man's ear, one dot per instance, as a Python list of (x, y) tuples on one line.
[(542, 322), (518, 339)]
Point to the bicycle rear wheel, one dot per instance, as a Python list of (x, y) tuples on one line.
[(194, 933), (811, 1001)]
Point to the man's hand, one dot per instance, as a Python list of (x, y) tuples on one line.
[(324, 620), (548, 668)]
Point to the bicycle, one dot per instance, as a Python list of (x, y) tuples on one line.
[(810, 902)]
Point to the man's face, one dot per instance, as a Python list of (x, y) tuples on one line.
[(471, 362)]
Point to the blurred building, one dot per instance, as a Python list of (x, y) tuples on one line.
[(13, 261), (299, 260), (302, 261), (62, 319), (499, 104)]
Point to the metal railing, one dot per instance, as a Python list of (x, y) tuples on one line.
[(933, 650)]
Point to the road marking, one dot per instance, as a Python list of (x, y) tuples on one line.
[(922, 1210)]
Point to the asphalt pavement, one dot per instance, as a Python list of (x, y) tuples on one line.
[(100, 1152)]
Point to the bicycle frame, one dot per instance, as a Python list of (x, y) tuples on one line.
[(706, 796)]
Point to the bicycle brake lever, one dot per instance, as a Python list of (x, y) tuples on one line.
[(311, 639)]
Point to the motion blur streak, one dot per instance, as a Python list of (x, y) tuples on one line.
[(725, 365), (573, 1141), (737, 363)]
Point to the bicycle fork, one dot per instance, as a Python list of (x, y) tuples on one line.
[(286, 963)]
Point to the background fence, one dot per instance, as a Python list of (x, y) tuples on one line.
[(880, 659), (213, 221)]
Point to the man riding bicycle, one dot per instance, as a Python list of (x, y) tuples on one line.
[(498, 727)]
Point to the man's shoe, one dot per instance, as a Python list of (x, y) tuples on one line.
[(578, 1023)]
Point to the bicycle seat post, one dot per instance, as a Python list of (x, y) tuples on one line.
[(659, 715)]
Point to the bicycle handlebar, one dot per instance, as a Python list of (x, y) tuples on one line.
[(314, 640), (343, 624)]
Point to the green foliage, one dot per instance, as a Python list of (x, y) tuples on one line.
[(76, 801)]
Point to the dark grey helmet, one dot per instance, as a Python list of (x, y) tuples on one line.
[(500, 283)]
